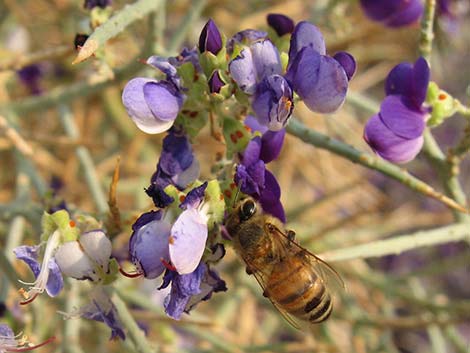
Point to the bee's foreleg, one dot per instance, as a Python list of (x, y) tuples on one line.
[(291, 235)]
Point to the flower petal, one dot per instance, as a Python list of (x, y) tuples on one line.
[(270, 197), (159, 197), (348, 63), (176, 155), (399, 80), (243, 71), (210, 38), (401, 120), (148, 244), (97, 247), (271, 145), (251, 154), (182, 288), (163, 99), (408, 12), (188, 240), (101, 309), (250, 178), (29, 254), (420, 82), (319, 80), (245, 37), (73, 262), (137, 108), (55, 281), (280, 23), (194, 197), (379, 10), (388, 145), (306, 35), (266, 59), (188, 176), (255, 126)]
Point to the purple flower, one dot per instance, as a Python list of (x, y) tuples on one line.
[(210, 39), (189, 232), (189, 289), (348, 63), (154, 105), (101, 309), (253, 64), (395, 133), (148, 245), (215, 82), (31, 76), (90, 4), (280, 23), (271, 141), (176, 166), (48, 275), (9, 342), (393, 13), (273, 102), (320, 80), (253, 177)]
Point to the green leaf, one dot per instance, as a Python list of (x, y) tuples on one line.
[(236, 136)]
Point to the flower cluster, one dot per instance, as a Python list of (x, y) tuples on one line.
[(396, 132), (320, 81), (157, 245), (74, 251)]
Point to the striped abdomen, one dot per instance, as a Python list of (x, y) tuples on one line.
[(296, 288)]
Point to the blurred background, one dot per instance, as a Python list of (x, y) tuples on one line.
[(70, 115)]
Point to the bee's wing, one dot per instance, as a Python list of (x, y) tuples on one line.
[(325, 271), (261, 279)]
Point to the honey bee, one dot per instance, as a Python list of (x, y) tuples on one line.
[(296, 282)]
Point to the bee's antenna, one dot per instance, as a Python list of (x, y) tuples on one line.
[(237, 194)]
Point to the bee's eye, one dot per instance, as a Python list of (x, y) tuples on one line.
[(247, 210)]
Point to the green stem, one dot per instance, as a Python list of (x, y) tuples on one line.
[(85, 159), (133, 330), (115, 25), (317, 139), (447, 169), (397, 245), (427, 30)]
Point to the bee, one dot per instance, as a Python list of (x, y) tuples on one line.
[(295, 281)]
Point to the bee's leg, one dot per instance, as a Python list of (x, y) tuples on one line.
[(290, 235), (248, 270)]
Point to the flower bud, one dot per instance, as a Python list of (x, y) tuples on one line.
[(210, 38)]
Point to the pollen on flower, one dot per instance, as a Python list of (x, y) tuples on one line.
[(72, 224), (442, 96), (228, 193), (182, 198), (233, 138), (287, 103), (239, 133), (171, 240)]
